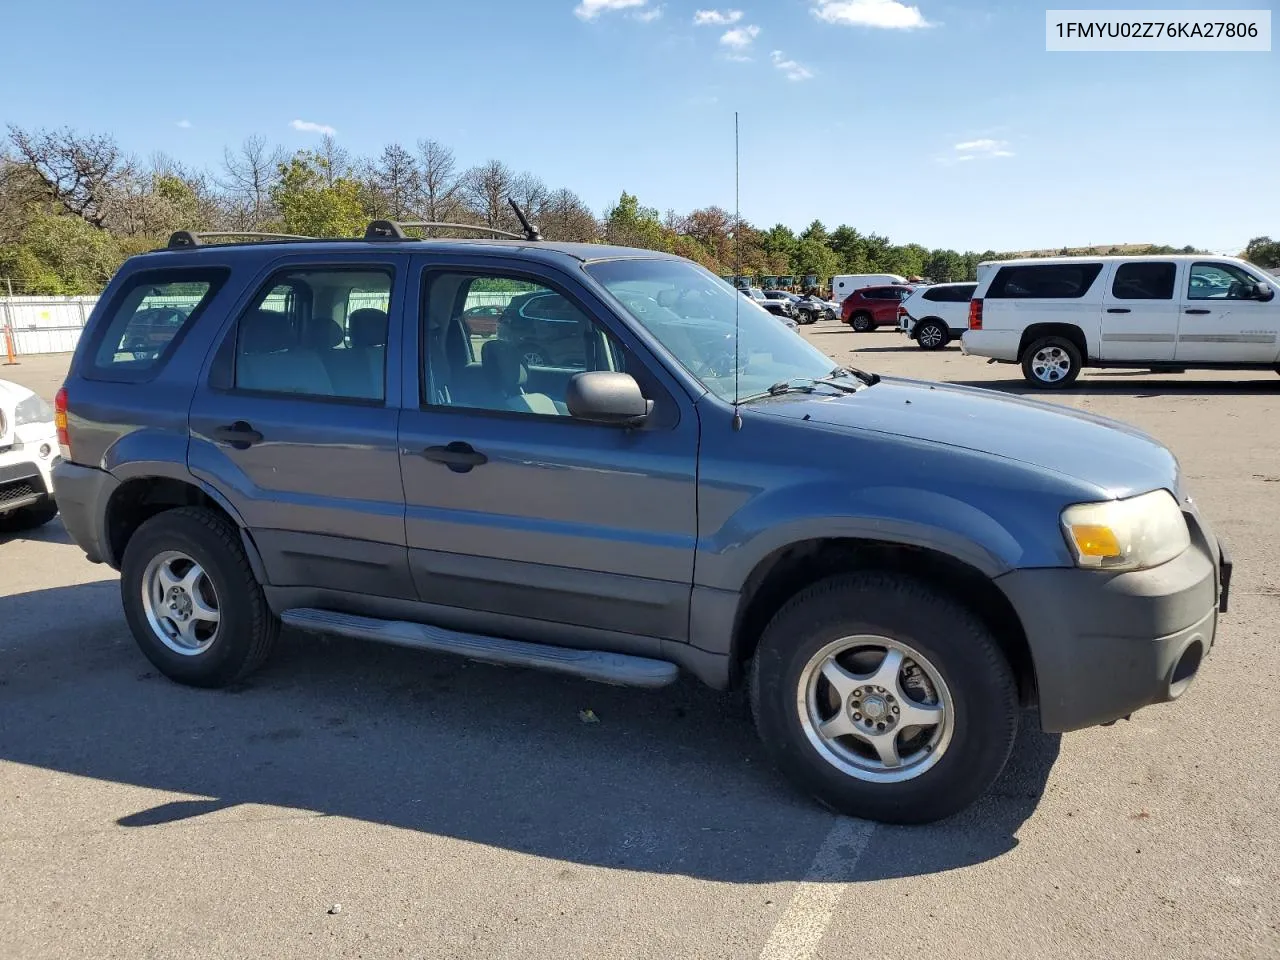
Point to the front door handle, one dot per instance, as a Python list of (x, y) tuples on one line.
[(460, 457), (1196, 310), (1117, 310), (240, 435)]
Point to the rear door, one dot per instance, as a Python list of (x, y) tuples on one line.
[(1222, 320), (521, 518), (295, 422), (1140, 311)]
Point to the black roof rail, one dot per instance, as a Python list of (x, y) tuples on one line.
[(182, 239), (394, 229)]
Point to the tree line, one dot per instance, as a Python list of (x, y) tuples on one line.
[(73, 206)]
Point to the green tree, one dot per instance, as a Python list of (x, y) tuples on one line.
[(815, 257), (629, 224), (314, 203), (1263, 251)]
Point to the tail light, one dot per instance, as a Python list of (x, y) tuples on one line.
[(975, 314), (902, 312), (60, 421)]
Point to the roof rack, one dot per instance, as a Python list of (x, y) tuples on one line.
[(182, 239), (394, 229)]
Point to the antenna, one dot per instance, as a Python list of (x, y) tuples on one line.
[(530, 230), (737, 271)]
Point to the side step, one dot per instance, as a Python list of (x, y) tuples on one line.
[(617, 668)]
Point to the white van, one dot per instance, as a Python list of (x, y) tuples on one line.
[(1056, 315), (846, 284)]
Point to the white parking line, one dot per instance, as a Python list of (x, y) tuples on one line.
[(797, 935)]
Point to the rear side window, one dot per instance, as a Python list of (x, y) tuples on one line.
[(1144, 281), (1044, 282), (960, 293), (146, 321)]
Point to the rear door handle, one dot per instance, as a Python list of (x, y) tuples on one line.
[(240, 435), (460, 457), (1118, 310), (1195, 310)]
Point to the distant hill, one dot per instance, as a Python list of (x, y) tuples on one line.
[(1104, 250)]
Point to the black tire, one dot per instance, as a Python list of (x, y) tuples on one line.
[(862, 322), (1073, 358), (960, 648), (941, 337), (28, 518), (247, 629)]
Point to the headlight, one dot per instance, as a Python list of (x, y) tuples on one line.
[(1131, 534), (32, 410)]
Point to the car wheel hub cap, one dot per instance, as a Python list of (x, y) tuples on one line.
[(875, 708), (180, 603), (1051, 364)]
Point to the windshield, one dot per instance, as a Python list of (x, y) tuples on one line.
[(691, 311)]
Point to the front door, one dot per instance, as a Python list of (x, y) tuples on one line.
[(1222, 319), (517, 512), (1140, 311), (296, 420)]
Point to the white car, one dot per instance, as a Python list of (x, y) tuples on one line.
[(933, 316), (1057, 315), (28, 450)]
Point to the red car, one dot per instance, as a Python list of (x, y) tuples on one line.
[(873, 307)]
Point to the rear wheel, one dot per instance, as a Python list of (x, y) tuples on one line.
[(932, 335), (862, 322), (28, 518), (192, 601), (884, 699), (1051, 363)]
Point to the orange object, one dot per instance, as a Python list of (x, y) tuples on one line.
[(8, 346)]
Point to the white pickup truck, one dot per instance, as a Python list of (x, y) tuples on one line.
[(1057, 315)]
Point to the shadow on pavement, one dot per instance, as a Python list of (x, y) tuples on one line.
[(671, 781), (51, 532)]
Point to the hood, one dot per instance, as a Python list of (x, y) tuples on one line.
[(1111, 455)]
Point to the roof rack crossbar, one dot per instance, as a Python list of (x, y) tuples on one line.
[(188, 238), (394, 229)]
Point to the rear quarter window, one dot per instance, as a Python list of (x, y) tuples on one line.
[(146, 319), (957, 294), (1051, 281)]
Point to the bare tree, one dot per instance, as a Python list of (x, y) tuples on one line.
[(437, 181), (396, 178), (566, 217), (486, 189), (251, 171), (532, 194), (81, 174), (334, 161)]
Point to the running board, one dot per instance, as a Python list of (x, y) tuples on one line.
[(616, 668)]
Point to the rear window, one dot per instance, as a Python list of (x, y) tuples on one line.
[(146, 320), (1144, 281), (960, 293), (1043, 282)]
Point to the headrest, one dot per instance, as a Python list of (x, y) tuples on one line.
[(367, 328), (323, 333), (502, 366), (265, 331)]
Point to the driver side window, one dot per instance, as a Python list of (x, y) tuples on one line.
[(507, 344), (1219, 281)]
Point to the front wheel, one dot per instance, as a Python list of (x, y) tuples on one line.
[(862, 322), (884, 699), (932, 335), (192, 601), (1051, 363)]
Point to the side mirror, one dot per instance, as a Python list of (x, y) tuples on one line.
[(604, 397), (1263, 292)]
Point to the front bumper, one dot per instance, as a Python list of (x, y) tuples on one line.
[(26, 467), (82, 494), (1103, 646)]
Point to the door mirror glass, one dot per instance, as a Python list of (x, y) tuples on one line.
[(603, 397)]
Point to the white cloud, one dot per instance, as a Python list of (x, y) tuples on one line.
[(648, 16), (792, 69), (740, 38), (971, 149), (184, 124), (716, 18), (307, 126), (889, 14), (590, 9)]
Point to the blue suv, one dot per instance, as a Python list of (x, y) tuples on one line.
[(337, 437)]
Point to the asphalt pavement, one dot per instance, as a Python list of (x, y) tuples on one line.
[(352, 800)]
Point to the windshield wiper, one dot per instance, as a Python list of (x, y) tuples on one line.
[(870, 379), (800, 385)]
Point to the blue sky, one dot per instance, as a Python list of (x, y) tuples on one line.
[(935, 121)]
